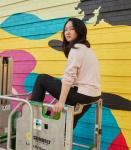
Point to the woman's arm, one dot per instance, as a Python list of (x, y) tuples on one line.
[(59, 106), (70, 76)]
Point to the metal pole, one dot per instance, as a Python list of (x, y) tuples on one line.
[(31, 120)]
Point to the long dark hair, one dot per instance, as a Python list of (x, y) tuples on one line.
[(80, 29)]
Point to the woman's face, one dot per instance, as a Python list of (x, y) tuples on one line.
[(70, 33)]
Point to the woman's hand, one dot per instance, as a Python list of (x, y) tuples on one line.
[(58, 107)]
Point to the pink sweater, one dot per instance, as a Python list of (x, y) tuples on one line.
[(82, 70)]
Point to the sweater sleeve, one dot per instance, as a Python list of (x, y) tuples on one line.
[(72, 67)]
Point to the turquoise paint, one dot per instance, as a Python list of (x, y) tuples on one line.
[(84, 131), (31, 27), (30, 81)]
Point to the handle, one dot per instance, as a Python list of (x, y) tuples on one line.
[(51, 106)]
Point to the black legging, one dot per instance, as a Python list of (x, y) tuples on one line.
[(53, 85)]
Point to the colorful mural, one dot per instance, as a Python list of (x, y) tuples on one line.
[(30, 32)]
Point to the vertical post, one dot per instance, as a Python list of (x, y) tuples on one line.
[(1, 70), (6, 64), (98, 120), (9, 74), (69, 128), (5, 89), (5, 75)]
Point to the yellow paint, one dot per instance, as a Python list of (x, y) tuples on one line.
[(50, 67), (109, 34), (41, 8), (117, 84), (124, 122), (113, 51)]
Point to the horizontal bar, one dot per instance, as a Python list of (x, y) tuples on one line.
[(81, 145), (23, 94), (15, 99), (15, 95), (51, 106)]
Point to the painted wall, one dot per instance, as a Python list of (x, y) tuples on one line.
[(30, 32)]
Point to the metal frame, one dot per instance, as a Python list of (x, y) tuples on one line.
[(97, 130), (6, 68), (1, 68), (69, 110), (5, 76), (69, 128), (98, 122)]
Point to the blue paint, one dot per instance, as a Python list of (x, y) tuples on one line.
[(84, 132), (31, 27), (30, 81)]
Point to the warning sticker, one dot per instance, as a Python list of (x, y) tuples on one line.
[(27, 136), (37, 124)]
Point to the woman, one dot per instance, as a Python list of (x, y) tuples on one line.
[(81, 80)]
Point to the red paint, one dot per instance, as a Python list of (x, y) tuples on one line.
[(119, 143)]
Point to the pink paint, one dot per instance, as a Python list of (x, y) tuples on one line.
[(23, 64)]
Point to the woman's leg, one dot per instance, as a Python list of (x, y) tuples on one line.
[(45, 83), (74, 98), (77, 117)]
